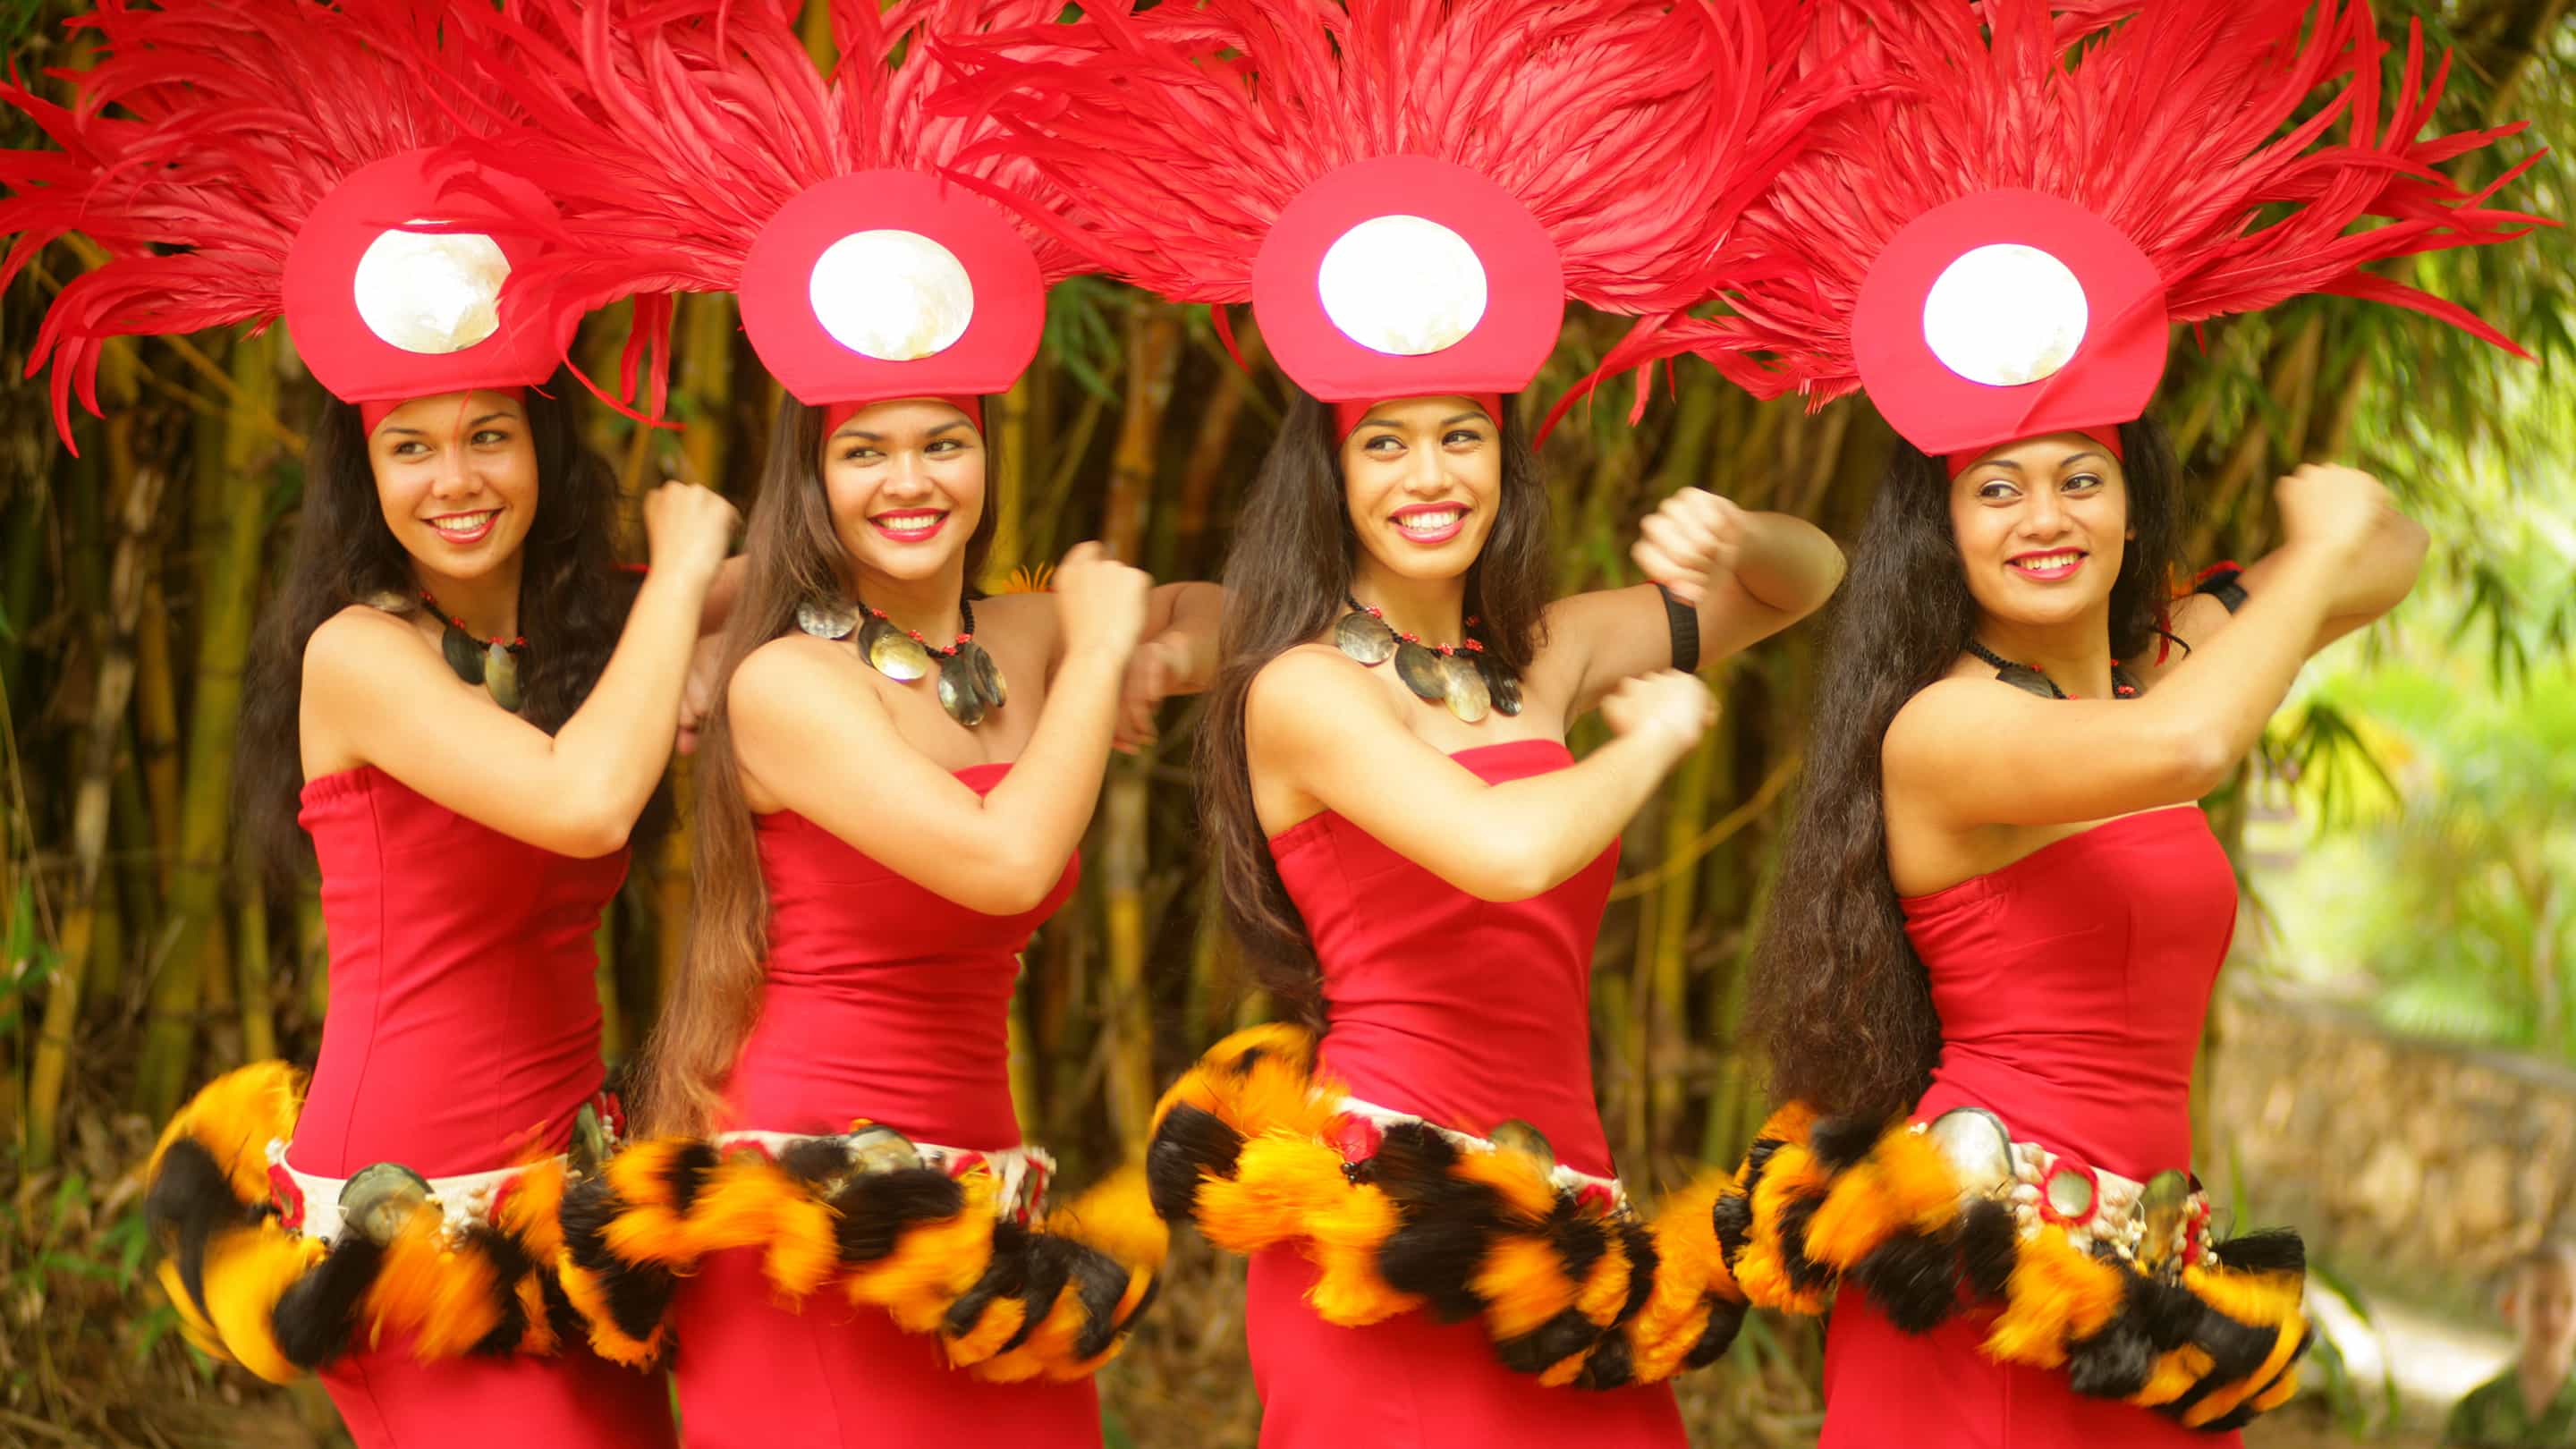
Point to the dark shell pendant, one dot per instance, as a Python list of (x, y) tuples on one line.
[(1501, 685), (958, 693), (1465, 689), (464, 655), (895, 654), (987, 675), (1364, 637), (1420, 670), (501, 676)]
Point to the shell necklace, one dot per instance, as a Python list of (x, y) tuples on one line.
[(2022, 676), (493, 663), (970, 683), (1462, 675)]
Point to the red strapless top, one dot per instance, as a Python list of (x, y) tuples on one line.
[(1462, 1011), (464, 1022), (2072, 985), (882, 999)]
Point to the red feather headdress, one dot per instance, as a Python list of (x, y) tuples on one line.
[(243, 159), (695, 146), (1408, 190), (1995, 245)]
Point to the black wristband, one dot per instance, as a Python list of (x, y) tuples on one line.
[(1684, 622), (2222, 585)]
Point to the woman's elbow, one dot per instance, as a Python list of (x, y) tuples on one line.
[(1010, 883), (1508, 874), (590, 834)]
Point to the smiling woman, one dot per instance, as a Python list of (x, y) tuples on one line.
[(2001, 912), (456, 694)]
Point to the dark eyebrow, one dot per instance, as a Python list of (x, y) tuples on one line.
[(1471, 415), (507, 417), (2087, 453), (880, 437)]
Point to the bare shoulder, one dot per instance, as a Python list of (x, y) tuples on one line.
[(1311, 682), (1930, 727), (783, 671), (1034, 610), (357, 643)]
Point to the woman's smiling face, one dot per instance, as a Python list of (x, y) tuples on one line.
[(1421, 478)]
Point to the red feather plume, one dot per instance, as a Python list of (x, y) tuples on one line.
[(669, 132), (1634, 130), (199, 142), (2179, 122)]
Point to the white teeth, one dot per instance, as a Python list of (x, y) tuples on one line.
[(2049, 561), (907, 522), (1430, 522), (463, 524)]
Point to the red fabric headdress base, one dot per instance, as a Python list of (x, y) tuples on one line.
[(835, 414), (1966, 458), (1347, 416), (372, 413)]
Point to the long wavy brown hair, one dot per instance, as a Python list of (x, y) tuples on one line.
[(1840, 1002), (1287, 577), (791, 554), (573, 600)]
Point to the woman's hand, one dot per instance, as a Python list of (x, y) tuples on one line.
[(1692, 540), (1099, 602), (698, 691), (1154, 673), (1666, 706), (689, 529)]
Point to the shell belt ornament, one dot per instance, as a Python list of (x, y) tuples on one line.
[(970, 683), (947, 1242), (2121, 1285), (1462, 675), (282, 1272), (1573, 1285)]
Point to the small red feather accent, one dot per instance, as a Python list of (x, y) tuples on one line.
[(1634, 130)]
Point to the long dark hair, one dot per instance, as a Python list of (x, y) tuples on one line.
[(1839, 999), (1286, 578), (791, 554), (573, 599)]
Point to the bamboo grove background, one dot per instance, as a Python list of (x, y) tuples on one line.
[(138, 956)]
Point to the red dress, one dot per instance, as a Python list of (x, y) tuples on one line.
[(463, 1035), (887, 1001), (2071, 986), (1464, 1012)]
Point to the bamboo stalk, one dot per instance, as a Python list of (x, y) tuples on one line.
[(138, 497), (156, 722), (250, 955), (1153, 345), (229, 585), (706, 375), (20, 553), (1008, 418), (1665, 949), (612, 1022), (1209, 448)]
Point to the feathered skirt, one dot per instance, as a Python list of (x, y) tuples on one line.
[(1413, 1284), (860, 1288), (424, 1304)]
